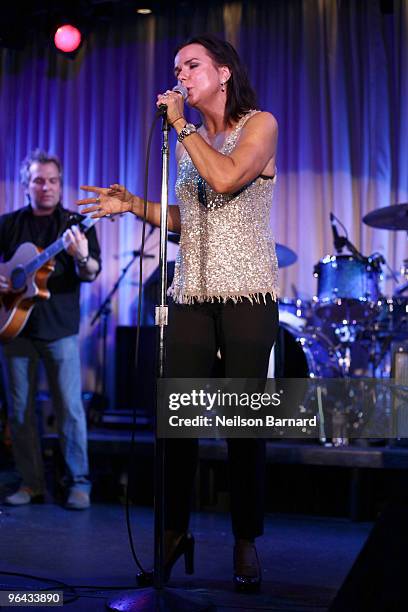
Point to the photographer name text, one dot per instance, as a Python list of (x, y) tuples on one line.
[(238, 421)]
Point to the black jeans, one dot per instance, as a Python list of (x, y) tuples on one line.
[(245, 334)]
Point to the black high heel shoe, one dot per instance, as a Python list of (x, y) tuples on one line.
[(184, 546), (247, 576)]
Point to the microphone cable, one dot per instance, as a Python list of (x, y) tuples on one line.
[(132, 453), (342, 224)]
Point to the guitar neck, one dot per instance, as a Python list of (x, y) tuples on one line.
[(56, 247)]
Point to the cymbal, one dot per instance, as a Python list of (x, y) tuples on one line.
[(393, 217), (286, 257)]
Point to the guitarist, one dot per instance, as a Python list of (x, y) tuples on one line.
[(51, 333)]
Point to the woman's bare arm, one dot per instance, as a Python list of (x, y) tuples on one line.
[(116, 199), (256, 148)]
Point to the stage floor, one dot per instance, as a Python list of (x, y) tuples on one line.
[(304, 559)]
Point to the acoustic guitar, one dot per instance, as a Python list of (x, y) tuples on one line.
[(28, 272)]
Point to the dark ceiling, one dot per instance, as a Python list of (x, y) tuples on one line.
[(21, 20)]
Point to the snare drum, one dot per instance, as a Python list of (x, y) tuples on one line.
[(347, 289)]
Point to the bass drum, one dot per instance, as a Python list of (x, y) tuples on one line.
[(304, 354)]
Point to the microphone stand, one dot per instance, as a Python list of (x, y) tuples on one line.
[(342, 242), (158, 597)]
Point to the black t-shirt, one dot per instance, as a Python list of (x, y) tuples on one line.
[(59, 316)]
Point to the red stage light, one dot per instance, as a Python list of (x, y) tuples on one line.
[(67, 38)]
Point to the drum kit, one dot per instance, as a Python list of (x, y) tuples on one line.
[(349, 329)]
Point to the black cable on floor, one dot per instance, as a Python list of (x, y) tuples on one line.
[(75, 593)]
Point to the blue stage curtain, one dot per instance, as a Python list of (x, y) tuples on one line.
[(335, 74)]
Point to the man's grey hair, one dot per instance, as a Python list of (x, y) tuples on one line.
[(42, 157)]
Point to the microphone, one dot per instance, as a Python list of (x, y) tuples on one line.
[(180, 89), (337, 241)]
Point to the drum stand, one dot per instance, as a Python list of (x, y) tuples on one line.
[(404, 272), (346, 334), (339, 419)]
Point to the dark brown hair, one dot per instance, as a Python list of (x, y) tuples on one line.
[(240, 95)]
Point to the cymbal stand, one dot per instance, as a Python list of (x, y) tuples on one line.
[(103, 313)]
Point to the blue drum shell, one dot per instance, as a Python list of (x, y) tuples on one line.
[(347, 288)]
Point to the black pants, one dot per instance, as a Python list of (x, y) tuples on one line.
[(245, 334)]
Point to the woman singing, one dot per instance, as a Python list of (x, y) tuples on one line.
[(224, 293)]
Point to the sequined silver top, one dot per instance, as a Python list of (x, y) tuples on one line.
[(227, 250)]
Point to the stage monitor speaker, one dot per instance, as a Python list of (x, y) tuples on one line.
[(136, 389)]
